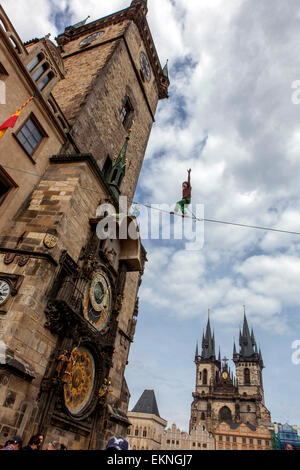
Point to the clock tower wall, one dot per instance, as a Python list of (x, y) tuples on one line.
[(106, 78)]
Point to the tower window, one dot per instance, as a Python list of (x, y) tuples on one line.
[(203, 416), (3, 72), (30, 135), (126, 115), (5, 185), (247, 376), (205, 377), (107, 167)]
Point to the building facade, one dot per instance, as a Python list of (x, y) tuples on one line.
[(241, 436), (222, 396), (147, 427), (198, 439), (288, 435), (69, 298)]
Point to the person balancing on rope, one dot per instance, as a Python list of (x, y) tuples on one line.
[(186, 196)]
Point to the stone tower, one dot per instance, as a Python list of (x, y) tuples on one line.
[(114, 82), (222, 396), (69, 299), (248, 366)]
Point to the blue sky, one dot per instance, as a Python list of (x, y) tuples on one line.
[(231, 119)]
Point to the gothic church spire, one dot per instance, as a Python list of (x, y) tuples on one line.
[(208, 343)]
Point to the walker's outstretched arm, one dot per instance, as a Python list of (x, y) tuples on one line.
[(189, 177)]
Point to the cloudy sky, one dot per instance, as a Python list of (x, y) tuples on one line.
[(230, 117)]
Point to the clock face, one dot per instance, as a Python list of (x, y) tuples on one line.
[(4, 291), (79, 385), (145, 66), (97, 301), (225, 375), (90, 39)]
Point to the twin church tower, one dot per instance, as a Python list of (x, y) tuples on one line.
[(221, 396)]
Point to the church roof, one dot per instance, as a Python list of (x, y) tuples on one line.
[(208, 343), (147, 404), (237, 425)]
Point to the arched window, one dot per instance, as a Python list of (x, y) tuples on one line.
[(225, 414), (107, 167), (34, 62), (247, 376), (200, 375), (3, 24), (45, 80), (15, 44), (203, 416), (205, 377), (145, 432), (136, 432)]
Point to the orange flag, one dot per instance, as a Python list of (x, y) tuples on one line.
[(13, 119)]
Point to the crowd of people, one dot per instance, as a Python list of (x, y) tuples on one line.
[(36, 442)]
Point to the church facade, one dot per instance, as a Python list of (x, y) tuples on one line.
[(68, 298), (222, 396)]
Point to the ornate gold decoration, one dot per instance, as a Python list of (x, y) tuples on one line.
[(104, 391), (79, 378), (50, 241)]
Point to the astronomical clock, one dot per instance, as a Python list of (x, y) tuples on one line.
[(97, 302), (79, 381)]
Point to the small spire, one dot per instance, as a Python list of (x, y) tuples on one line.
[(197, 353), (165, 71), (219, 358), (81, 23), (121, 159)]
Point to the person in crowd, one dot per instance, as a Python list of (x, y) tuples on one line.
[(54, 445), (13, 444), (34, 443), (117, 443)]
